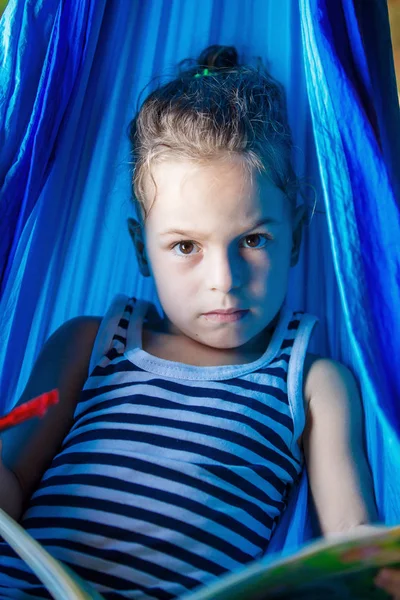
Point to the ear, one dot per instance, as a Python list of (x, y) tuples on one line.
[(136, 233), (298, 220)]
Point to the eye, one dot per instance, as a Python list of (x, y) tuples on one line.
[(188, 244), (265, 236), (183, 243)]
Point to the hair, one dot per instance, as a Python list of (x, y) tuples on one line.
[(234, 110)]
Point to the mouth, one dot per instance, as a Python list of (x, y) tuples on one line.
[(226, 316), (227, 311)]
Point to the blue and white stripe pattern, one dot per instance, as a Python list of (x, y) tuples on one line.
[(172, 474)]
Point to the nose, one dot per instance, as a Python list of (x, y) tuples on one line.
[(225, 271)]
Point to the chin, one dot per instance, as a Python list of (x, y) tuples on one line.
[(224, 343)]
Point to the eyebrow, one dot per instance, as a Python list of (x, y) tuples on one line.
[(198, 235)]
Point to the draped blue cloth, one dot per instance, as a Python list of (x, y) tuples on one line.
[(71, 82), (356, 148), (37, 87)]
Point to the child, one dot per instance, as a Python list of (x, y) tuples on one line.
[(173, 464)]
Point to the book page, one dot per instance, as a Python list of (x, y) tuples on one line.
[(333, 569)]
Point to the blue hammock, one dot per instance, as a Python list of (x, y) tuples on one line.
[(65, 98)]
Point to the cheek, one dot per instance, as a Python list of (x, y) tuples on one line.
[(171, 274), (280, 252), (272, 265)]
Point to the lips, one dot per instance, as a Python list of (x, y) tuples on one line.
[(229, 311), (226, 317)]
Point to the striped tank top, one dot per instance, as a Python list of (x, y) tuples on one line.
[(171, 474)]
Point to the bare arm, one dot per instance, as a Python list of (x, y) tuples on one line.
[(10, 491), (339, 474), (29, 448)]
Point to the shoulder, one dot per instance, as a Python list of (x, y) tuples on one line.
[(80, 328), (322, 376), (73, 340), (62, 364), (85, 322), (334, 405), (334, 437)]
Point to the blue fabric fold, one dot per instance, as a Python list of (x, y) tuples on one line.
[(352, 136), (44, 45)]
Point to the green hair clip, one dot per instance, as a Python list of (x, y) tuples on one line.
[(205, 72)]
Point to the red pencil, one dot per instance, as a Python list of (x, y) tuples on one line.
[(37, 407)]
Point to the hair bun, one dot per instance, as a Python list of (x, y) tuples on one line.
[(218, 57)]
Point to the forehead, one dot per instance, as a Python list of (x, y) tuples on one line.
[(217, 190)]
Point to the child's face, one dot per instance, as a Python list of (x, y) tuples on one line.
[(223, 263)]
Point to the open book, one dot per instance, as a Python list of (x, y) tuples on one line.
[(341, 568), (334, 569)]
